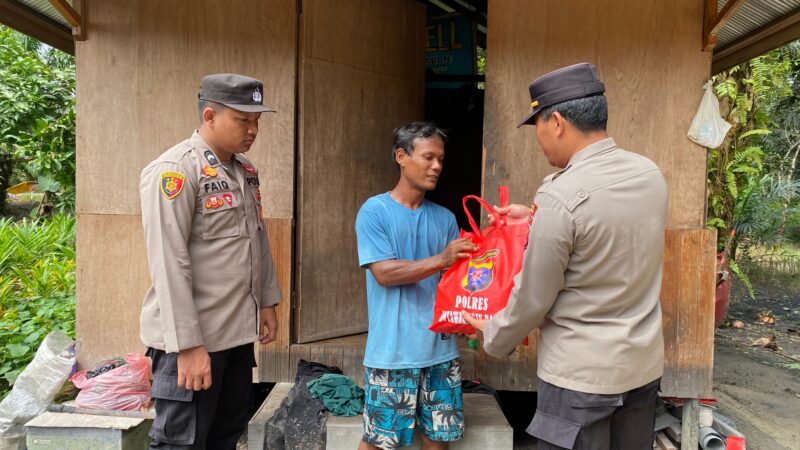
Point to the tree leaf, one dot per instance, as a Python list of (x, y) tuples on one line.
[(17, 350)]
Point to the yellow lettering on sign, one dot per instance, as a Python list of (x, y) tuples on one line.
[(437, 41)]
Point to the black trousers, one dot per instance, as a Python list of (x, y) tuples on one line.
[(213, 419), (567, 419)]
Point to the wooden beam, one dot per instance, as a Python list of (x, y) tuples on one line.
[(727, 12), (66, 11), (709, 14), (714, 21), (27, 21), (79, 32), (758, 42)]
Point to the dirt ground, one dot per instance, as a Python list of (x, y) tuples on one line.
[(758, 387)]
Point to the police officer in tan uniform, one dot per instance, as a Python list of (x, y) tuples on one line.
[(214, 285), (591, 275)]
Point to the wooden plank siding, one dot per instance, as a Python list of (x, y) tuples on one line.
[(647, 54), (687, 300), (137, 79), (273, 358), (649, 57), (361, 75), (138, 74)]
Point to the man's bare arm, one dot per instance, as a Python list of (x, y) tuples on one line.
[(394, 272)]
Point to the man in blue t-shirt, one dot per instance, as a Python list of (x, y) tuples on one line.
[(412, 375)]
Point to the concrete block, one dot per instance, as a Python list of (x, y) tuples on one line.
[(65, 431), (486, 428)]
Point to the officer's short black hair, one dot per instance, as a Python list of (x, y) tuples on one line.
[(405, 136), (203, 104), (586, 114)]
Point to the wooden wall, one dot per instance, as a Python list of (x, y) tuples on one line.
[(137, 79), (361, 75), (648, 54), (688, 290), (138, 75)]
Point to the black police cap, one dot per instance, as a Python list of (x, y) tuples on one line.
[(234, 91), (567, 83)]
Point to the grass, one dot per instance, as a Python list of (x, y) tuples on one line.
[(774, 265)]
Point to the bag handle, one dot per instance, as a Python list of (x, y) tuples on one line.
[(485, 205), (503, 191)]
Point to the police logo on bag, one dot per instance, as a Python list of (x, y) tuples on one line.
[(480, 272)]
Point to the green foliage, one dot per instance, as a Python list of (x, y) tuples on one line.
[(24, 327), (37, 288), (37, 117), (742, 276), (748, 202), (481, 62)]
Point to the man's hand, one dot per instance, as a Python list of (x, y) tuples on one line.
[(515, 214), (267, 325), (476, 323), (455, 250), (194, 368)]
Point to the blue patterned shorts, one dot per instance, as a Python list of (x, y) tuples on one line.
[(396, 399)]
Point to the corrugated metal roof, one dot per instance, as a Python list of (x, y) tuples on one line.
[(752, 15), (44, 8)]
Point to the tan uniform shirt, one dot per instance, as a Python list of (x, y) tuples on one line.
[(207, 249), (591, 275)]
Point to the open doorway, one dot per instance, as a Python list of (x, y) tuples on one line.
[(455, 62)]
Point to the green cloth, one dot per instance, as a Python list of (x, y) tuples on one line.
[(338, 394)]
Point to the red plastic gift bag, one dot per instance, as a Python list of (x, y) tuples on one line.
[(482, 283)]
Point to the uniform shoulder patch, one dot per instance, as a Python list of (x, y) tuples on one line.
[(171, 184)]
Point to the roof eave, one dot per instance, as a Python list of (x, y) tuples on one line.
[(771, 36)]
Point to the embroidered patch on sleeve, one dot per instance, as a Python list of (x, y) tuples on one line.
[(171, 184)]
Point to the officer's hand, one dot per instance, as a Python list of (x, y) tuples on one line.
[(194, 368), (268, 325), (455, 250), (476, 323), (515, 214)]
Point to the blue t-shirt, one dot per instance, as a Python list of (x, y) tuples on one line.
[(399, 316)]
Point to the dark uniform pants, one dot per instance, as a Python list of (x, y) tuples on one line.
[(567, 419), (213, 419)]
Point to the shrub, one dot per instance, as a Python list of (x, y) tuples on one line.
[(37, 117), (37, 288)]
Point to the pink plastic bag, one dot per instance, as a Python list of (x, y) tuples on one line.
[(124, 388)]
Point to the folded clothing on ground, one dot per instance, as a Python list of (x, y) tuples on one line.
[(338, 393)]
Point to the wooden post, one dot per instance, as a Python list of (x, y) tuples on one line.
[(690, 426)]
